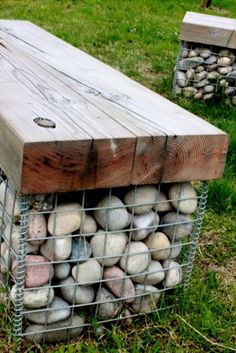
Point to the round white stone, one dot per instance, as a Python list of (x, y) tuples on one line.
[(108, 248), (184, 197), (154, 274), (143, 197), (108, 306), (146, 298), (57, 249), (87, 273), (175, 249), (34, 298), (74, 293), (173, 275), (146, 223), (88, 226), (163, 204), (60, 311), (113, 214), (65, 219), (159, 246), (136, 258), (37, 333), (7, 198), (176, 226)]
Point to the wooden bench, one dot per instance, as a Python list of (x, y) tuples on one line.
[(101, 129)]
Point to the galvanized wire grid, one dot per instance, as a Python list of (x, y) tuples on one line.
[(83, 313), (219, 81)]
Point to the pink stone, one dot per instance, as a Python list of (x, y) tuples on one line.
[(35, 275)]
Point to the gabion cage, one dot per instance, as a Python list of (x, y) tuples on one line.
[(68, 259), (205, 72)]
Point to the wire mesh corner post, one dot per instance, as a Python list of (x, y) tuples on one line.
[(20, 272), (196, 232)]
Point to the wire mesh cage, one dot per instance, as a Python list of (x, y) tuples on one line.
[(205, 72), (68, 259)]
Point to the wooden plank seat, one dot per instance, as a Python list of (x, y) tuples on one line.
[(70, 122)]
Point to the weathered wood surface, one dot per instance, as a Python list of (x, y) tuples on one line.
[(207, 29), (110, 131)]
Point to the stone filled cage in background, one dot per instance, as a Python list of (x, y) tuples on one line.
[(68, 259)]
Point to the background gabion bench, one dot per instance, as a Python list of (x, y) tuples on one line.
[(206, 64), (102, 191)]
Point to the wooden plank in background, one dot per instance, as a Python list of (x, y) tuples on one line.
[(207, 29), (110, 131)]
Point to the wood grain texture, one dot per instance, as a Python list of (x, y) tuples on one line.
[(207, 29), (109, 130)]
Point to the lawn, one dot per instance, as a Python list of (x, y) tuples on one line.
[(140, 38)]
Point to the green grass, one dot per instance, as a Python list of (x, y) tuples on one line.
[(140, 38)]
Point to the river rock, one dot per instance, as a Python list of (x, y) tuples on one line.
[(188, 63), (35, 275), (143, 196), (199, 69), (136, 258), (199, 95), (205, 53), (234, 100), (163, 204), (212, 67), (88, 226), (200, 76), (108, 306), (34, 333), (65, 219), (74, 293), (81, 249), (230, 91), (159, 245), (181, 79), (211, 60), (189, 91), (190, 74), (108, 248), (208, 89), (37, 230), (60, 310), (173, 275), (12, 236), (57, 249), (62, 270), (146, 223), (87, 273), (193, 53), (223, 61), (178, 90), (187, 195), (113, 214), (208, 96), (175, 249), (231, 77), (7, 196), (213, 75), (6, 258), (224, 52), (120, 286), (146, 298), (154, 274), (181, 227), (201, 84), (224, 70), (184, 53), (34, 298)]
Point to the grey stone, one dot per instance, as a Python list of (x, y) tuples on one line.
[(74, 293), (136, 258), (143, 197), (224, 70), (211, 60), (87, 273), (205, 53), (154, 274), (145, 223), (189, 91), (176, 226), (51, 333), (199, 69), (183, 197), (173, 275), (201, 84), (200, 76), (108, 306), (34, 298), (119, 284), (208, 96), (57, 249), (208, 88), (146, 298), (181, 79), (188, 63), (81, 249), (62, 270)]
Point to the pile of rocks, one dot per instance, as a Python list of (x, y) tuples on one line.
[(205, 73), (113, 258)]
